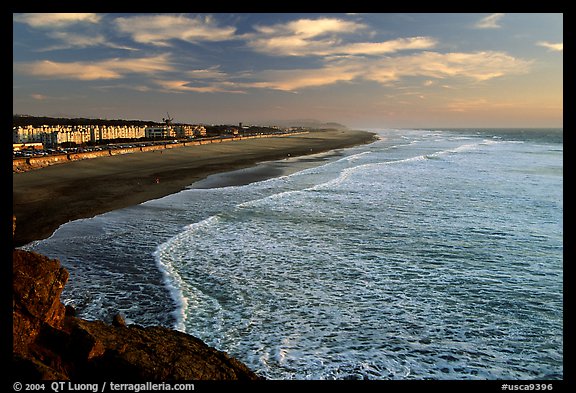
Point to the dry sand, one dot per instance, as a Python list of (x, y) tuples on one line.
[(46, 198)]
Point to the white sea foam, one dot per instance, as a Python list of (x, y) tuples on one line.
[(174, 283), (437, 255)]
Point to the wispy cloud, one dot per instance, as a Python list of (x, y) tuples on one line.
[(70, 30), (466, 105), (45, 97), (553, 46), (300, 37), (183, 86), (55, 21), (489, 22), (74, 40), (70, 40), (454, 67), (385, 47), (481, 104), (160, 29), (208, 80), (39, 97), (207, 73), (324, 37), (105, 69), (296, 79), (336, 44), (477, 67), (309, 28)]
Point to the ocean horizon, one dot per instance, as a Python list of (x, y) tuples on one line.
[(428, 254)]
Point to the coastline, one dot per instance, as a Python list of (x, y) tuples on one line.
[(46, 198)]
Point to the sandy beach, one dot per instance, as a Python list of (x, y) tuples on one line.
[(46, 198)]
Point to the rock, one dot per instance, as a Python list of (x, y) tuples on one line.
[(50, 343), (37, 284), (70, 311), (28, 369), (155, 353), (118, 321)]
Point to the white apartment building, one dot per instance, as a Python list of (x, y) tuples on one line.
[(56, 135)]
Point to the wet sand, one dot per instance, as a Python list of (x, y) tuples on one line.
[(46, 198)]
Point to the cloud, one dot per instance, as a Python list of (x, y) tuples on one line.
[(207, 73), (466, 105), (327, 40), (73, 40), (105, 69), (370, 61), (489, 22), (293, 80), (309, 28), (65, 28), (380, 48), (555, 47), (209, 80), (72, 70), (458, 66), (55, 21), (322, 37), (39, 97), (159, 29), (300, 37), (182, 86), (479, 104), (476, 66), (70, 40)]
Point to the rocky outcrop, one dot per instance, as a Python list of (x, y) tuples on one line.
[(37, 284), (50, 343)]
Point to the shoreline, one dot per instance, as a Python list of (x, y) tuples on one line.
[(46, 198), (264, 170)]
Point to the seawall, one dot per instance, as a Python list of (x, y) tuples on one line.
[(31, 163)]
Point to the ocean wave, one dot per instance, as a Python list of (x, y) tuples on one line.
[(432, 259)]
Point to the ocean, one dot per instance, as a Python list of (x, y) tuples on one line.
[(428, 254)]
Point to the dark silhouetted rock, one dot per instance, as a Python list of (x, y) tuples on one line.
[(118, 321), (70, 311)]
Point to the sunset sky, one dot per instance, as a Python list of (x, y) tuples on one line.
[(367, 71)]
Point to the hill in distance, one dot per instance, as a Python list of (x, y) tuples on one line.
[(309, 123)]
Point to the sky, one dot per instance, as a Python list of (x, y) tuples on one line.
[(366, 71)]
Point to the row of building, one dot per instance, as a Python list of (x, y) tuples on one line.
[(52, 136)]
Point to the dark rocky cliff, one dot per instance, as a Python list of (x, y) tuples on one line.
[(51, 343)]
